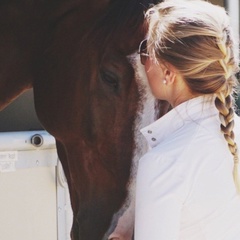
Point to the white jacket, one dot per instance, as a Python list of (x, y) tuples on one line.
[(185, 188)]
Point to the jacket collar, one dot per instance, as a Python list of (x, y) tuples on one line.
[(192, 110)]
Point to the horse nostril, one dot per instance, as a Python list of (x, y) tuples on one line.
[(37, 140)]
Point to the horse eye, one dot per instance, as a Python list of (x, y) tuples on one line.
[(110, 79)]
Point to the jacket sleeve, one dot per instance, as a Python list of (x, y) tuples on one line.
[(159, 199)]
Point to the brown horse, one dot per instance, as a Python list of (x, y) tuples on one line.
[(80, 59)]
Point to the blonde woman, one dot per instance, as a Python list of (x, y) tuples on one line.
[(188, 184)]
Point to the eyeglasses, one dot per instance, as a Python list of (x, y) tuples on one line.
[(142, 51)]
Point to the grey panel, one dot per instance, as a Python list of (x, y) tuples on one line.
[(20, 115)]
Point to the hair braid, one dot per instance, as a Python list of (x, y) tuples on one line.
[(224, 44), (224, 104), (224, 100)]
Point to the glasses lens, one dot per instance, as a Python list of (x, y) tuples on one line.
[(143, 52)]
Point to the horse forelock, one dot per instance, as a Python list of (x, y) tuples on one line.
[(117, 24)]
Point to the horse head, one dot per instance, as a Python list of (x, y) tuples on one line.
[(90, 94)]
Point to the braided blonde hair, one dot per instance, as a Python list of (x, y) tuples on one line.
[(195, 37)]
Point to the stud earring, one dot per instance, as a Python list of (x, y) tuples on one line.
[(165, 81)]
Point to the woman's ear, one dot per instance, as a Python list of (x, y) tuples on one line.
[(170, 73)]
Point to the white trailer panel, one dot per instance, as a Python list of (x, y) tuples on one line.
[(33, 203)]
